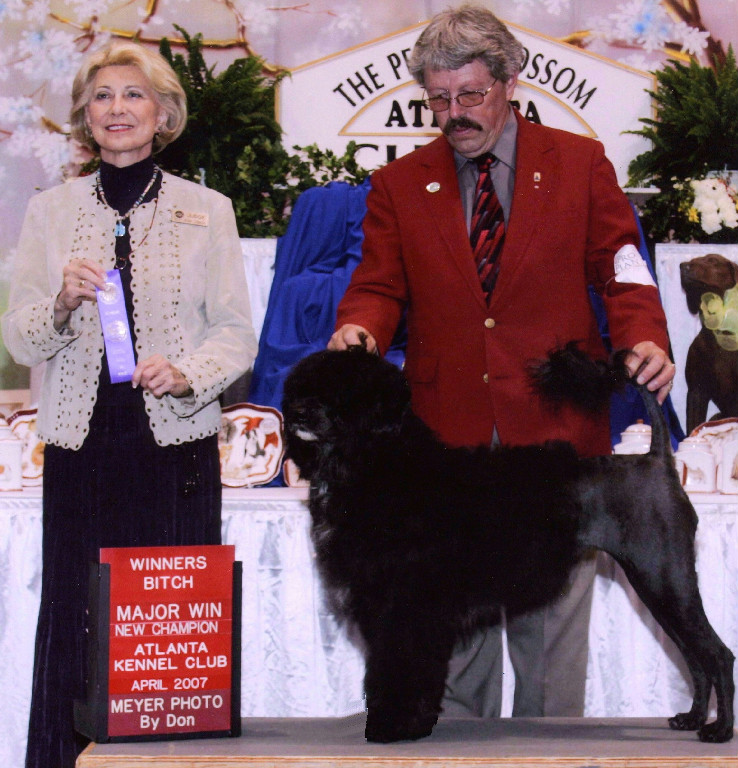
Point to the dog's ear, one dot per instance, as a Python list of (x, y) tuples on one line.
[(373, 393), (734, 268), (691, 293), (389, 395)]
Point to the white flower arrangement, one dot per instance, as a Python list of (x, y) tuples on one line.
[(707, 207), (715, 203)]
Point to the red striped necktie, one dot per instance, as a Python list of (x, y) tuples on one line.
[(487, 231)]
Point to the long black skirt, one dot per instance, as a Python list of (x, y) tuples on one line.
[(120, 489)]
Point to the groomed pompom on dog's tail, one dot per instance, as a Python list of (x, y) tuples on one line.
[(568, 375)]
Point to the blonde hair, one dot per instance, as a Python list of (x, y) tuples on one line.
[(155, 68)]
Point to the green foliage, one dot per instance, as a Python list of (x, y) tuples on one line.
[(233, 143), (695, 130)]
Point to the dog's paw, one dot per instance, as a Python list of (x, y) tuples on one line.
[(686, 721), (716, 732), (383, 730)]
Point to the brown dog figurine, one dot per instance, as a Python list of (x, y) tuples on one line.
[(711, 370)]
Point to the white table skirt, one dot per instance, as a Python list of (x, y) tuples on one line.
[(296, 662)]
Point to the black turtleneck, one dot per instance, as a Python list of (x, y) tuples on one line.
[(122, 187)]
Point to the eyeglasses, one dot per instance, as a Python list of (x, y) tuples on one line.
[(441, 103)]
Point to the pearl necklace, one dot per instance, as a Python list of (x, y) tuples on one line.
[(120, 227)]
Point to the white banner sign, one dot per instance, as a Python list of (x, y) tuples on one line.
[(366, 95)]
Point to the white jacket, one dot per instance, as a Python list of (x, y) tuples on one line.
[(190, 304)]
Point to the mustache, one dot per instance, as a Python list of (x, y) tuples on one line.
[(460, 122)]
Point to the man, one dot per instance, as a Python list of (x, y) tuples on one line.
[(475, 321)]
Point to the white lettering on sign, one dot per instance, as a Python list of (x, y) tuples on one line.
[(205, 610), (159, 664), (156, 649), (169, 563), (168, 582), (185, 628), (157, 611), (199, 701)]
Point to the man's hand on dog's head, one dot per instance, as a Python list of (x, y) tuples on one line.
[(651, 366), (352, 336)]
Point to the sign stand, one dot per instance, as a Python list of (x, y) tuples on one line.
[(164, 645)]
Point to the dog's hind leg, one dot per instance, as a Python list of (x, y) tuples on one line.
[(672, 596)]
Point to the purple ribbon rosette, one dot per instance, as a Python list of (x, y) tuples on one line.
[(116, 331)]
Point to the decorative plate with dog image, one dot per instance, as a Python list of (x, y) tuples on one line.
[(250, 444), (23, 425)]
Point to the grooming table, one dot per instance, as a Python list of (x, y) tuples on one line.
[(455, 743)]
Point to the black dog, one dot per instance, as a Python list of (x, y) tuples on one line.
[(711, 370), (418, 543)]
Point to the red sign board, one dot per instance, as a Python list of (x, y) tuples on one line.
[(170, 641)]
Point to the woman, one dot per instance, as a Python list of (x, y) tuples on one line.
[(132, 462)]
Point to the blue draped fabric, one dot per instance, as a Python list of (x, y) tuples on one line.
[(314, 262), (313, 266)]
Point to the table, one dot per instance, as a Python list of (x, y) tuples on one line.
[(297, 661), (455, 743)]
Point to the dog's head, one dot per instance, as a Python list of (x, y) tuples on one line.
[(712, 273), (337, 401)]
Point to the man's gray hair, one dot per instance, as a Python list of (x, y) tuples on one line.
[(458, 36)]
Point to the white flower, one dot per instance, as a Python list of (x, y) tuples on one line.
[(693, 40), (11, 9), (260, 18), (644, 23), (348, 20), (29, 10), (18, 110), (710, 222), (555, 7), (52, 150), (88, 9), (49, 54), (36, 11), (715, 202)]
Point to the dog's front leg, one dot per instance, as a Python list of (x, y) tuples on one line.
[(406, 666)]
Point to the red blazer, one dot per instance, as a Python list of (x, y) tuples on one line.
[(466, 362)]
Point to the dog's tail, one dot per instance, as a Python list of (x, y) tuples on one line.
[(568, 375)]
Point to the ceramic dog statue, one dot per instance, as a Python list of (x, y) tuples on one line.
[(711, 370)]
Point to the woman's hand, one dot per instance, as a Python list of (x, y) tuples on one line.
[(157, 375), (80, 278)]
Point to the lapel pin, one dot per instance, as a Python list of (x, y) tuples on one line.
[(536, 176), (434, 186)]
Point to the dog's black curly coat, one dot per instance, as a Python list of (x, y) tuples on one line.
[(418, 543)]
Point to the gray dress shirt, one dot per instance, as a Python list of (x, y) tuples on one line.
[(502, 171)]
